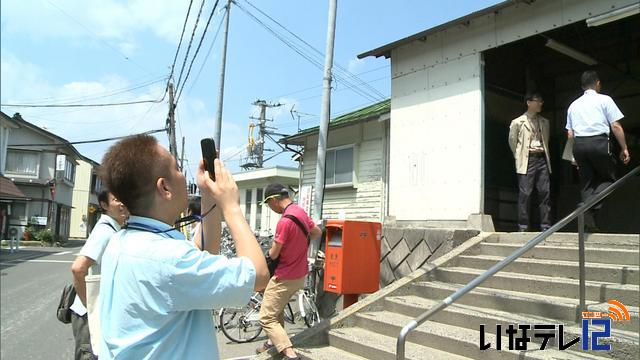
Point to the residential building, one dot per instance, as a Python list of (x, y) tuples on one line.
[(86, 208), (251, 186), (357, 162), (43, 166)]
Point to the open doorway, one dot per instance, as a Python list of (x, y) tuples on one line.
[(531, 65)]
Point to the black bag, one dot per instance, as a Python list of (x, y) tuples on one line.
[(66, 300), (272, 264)]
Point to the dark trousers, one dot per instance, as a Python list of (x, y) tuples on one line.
[(537, 175), (80, 326), (596, 168)]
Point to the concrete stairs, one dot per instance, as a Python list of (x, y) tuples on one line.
[(542, 287)]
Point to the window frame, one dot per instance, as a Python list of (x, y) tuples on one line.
[(353, 182), (35, 175)]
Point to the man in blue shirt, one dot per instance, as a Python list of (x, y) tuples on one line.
[(589, 119), (157, 289)]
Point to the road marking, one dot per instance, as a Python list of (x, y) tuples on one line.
[(13, 262), (62, 253)]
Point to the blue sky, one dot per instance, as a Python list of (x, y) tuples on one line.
[(72, 51)]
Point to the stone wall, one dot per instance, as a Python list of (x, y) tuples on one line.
[(406, 249)]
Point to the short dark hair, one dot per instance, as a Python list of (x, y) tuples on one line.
[(130, 169), (194, 205), (531, 95), (589, 79), (103, 197)]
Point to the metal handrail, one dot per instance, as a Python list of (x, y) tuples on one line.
[(578, 213)]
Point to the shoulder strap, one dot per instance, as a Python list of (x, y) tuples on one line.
[(297, 222)]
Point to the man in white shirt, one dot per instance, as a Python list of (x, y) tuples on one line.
[(590, 119), (88, 263)]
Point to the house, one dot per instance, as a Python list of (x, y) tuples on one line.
[(356, 169), (251, 186), (9, 192), (86, 208), (42, 165), (456, 87)]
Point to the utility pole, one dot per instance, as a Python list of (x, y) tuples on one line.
[(182, 156), (255, 150), (325, 112), (172, 124), (217, 125)]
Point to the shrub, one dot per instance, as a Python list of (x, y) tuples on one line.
[(45, 236)]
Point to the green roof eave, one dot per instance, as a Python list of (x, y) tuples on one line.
[(353, 117)]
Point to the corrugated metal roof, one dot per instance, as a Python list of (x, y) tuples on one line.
[(385, 50), (364, 113)]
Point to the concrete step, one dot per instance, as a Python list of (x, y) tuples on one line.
[(327, 353), (624, 340), (618, 274), (375, 346), (544, 285), (458, 340), (552, 307), (616, 241), (566, 253)]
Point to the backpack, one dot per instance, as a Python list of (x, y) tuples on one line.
[(64, 306)]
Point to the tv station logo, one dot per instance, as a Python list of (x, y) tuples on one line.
[(520, 335)]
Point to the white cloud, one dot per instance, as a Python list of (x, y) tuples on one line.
[(105, 19), (355, 65)]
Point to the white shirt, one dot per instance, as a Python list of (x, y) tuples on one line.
[(592, 114), (93, 249)]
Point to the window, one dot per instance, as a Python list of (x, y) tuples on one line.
[(23, 163), (258, 208), (70, 171), (96, 183), (339, 166), (247, 205)]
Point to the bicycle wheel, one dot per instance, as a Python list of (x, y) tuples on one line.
[(240, 325), (311, 315), (288, 314)]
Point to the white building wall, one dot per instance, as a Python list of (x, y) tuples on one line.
[(363, 200), (436, 132)]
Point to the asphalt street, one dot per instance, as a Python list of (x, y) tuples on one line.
[(31, 282)]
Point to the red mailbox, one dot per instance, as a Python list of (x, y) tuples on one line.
[(352, 258)]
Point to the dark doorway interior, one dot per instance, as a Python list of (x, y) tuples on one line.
[(512, 70)]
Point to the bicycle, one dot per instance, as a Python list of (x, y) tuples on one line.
[(242, 325), (307, 296)]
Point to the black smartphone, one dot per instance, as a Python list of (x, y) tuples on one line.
[(209, 154)]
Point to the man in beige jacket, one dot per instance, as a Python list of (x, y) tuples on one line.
[(529, 142)]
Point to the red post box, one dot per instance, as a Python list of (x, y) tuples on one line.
[(352, 258)]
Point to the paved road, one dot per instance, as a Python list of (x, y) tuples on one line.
[(30, 285)]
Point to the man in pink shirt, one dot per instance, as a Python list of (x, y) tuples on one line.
[(290, 245)]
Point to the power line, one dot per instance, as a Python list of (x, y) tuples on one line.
[(317, 63), (342, 75), (98, 37), (195, 54), (193, 33), (84, 105), (204, 62), (184, 26), (98, 95), (95, 141)]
